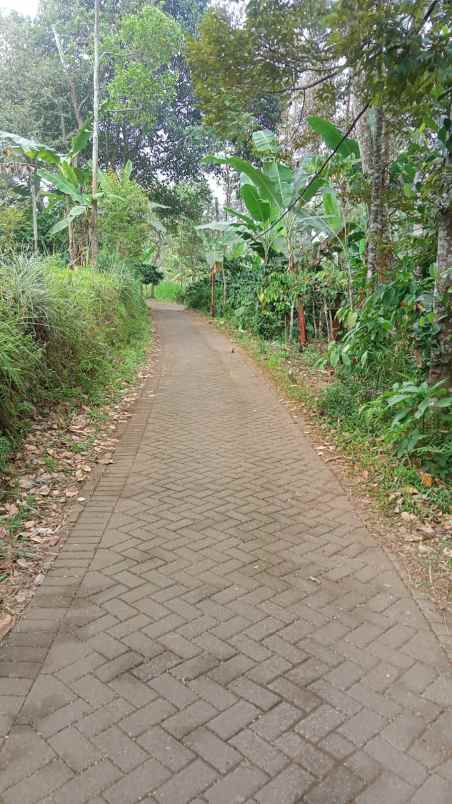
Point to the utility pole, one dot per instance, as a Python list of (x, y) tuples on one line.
[(95, 159)]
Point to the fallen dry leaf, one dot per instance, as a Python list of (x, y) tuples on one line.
[(426, 479), (6, 623)]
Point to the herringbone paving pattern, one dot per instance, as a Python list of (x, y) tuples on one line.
[(219, 626)]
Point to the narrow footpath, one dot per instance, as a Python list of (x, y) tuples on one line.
[(219, 626)]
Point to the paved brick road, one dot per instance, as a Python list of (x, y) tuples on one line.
[(219, 626)]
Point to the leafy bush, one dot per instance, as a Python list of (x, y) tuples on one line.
[(124, 222), (420, 419), (197, 295), (61, 332), (150, 274)]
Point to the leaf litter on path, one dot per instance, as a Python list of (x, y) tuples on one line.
[(43, 481)]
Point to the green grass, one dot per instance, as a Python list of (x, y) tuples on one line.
[(168, 291), (65, 336)]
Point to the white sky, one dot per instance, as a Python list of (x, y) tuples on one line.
[(24, 6)]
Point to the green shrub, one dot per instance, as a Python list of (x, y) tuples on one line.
[(61, 332), (197, 295), (420, 417)]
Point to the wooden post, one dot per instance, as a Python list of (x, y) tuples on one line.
[(302, 337)]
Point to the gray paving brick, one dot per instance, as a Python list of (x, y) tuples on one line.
[(165, 748), (320, 722), (75, 749), (146, 716), (396, 761), (259, 752), (39, 784), (194, 715), (233, 719), (286, 788), (138, 783), (86, 784), (211, 748), (120, 749), (340, 786), (186, 784), (237, 786), (388, 788), (361, 727)]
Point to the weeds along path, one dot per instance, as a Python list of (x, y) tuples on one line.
[(219, 626)]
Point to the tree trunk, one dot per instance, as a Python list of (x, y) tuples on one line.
[(213, 301), (441, 367), (374, 138), (223, 276), (93, 233), (376, 209), (34, 188), (302, 337)]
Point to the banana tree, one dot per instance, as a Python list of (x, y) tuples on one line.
[(66, 178), (270, 196), (221, 240), (22, 157), (279, 199)]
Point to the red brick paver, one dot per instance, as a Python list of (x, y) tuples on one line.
[(230, 632)]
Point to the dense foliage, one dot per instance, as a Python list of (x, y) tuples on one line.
[(346, 214)]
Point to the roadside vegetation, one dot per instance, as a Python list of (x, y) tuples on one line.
[(335, 247)]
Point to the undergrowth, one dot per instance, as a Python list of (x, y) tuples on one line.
[(336, 408), (65, 335), (168, 290)]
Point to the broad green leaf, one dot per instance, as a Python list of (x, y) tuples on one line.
[(62, 184), (301, 185), (422, 408), (75, 212), (332, 136), (30, 148), (333, 209), (265, 141), (69, 173), (245, 218), (80, 141), (259, 209), (282, 179), (263, 184)]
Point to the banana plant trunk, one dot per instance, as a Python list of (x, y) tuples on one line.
[(302, 336), (213, 295)]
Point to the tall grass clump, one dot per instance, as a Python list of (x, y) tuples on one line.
[(62, 333), (170, 291)]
